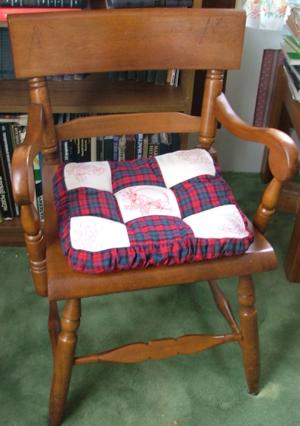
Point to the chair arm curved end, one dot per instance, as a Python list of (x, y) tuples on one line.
[(283, 157)]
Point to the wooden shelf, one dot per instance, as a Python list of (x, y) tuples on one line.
[(11, 233), (109, 96)]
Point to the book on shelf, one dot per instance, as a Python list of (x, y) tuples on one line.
[(292, 42), (43, 3), (293, 70), (5, 11), (292, 57), (5, 159), (12, 133), (292, 86), (6, 64), (6, 207), (37, 173)]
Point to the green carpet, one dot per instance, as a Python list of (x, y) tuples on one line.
[(201, 389)]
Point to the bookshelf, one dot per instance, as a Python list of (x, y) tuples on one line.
[(109, 97)]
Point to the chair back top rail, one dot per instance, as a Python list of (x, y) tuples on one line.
[(126, 39)]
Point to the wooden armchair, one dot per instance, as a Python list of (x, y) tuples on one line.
[(101, 41)]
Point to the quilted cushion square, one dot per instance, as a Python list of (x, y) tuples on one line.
[(170, 209)]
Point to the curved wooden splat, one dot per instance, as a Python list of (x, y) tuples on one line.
[(158, 349)]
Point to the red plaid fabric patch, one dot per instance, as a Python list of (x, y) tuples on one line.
[(105, 227)]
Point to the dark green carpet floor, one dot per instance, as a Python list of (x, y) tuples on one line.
[(203, 389)]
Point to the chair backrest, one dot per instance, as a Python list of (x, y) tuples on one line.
[(128, 39), (112, 40)]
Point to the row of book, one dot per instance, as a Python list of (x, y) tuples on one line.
[(12, 133), (158, 77), (102, 148), (115, 147), (291, 51)]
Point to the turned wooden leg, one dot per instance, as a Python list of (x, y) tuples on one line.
[(63, 360), (248, 325), (53, 325)]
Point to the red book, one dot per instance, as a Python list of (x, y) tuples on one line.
[(4, 11)]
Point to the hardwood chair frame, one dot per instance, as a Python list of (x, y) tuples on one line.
[(44, 44)]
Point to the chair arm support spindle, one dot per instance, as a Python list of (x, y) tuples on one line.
[(267, 206)]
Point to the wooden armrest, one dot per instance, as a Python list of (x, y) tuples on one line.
[(283, 157), (22, 162)]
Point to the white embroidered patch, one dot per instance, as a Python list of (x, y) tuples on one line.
[(219, 222), (95, 174), (179, 166), (91, 233), (146, 200)]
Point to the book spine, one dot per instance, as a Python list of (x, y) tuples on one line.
[(5, 205), (175, 142), (83, 149), (129, 3), (39, 200), (93, 149), (130, 147), (145, 146), (7, 144), (7, 71), (139, 145), (116, 148), (108, 148), (122, 147), (164, 143), (5, 184), (99, 149), (65, 154)]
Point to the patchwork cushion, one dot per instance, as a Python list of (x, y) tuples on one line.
[(166, 210)]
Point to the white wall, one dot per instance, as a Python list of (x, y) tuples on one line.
[(241, 91)]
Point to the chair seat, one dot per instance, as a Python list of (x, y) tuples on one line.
[(64, 282), (171, 209)]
